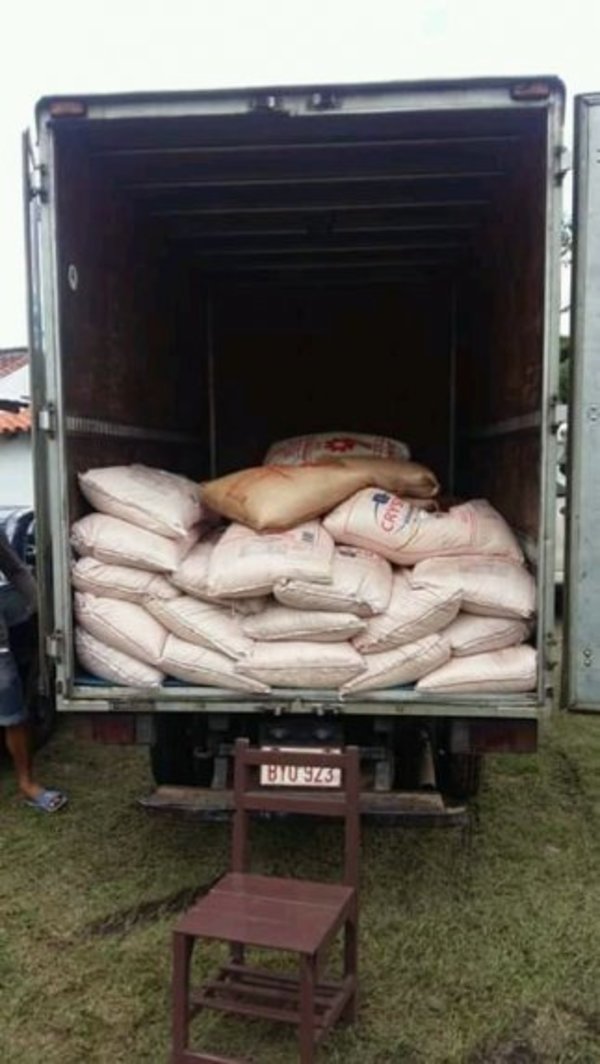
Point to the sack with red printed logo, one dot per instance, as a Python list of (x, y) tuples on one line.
[(405, 534), (300, 449)]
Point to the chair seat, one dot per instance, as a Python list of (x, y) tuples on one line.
[(275, 913)]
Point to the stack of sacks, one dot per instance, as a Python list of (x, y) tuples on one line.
[(146, 522), (326, 597), (338, 574), (466, 559), (487, 637)]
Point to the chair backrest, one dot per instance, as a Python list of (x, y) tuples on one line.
[(343, 802)]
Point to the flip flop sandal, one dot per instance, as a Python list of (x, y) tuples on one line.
[(47, 801)]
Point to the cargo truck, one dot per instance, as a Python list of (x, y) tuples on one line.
[(214, 271)]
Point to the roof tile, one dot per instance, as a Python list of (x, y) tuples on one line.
[(13, 423)]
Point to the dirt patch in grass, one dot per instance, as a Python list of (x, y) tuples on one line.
[(476, 948), (146, 912)]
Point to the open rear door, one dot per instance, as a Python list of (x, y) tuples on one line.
[(33, 195), (582, 646)]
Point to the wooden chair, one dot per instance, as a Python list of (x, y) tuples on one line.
[(269, 912)]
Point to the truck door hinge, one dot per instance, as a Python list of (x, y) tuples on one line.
[(563, 164), (46, 419), (55, 645), (38, 183), (552, 651), (557, 414)]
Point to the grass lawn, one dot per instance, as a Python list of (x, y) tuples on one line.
[(476, 947)]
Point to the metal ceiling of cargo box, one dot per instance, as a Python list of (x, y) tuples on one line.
[(266, 196)]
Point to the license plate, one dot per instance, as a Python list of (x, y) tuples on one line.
[(300, 775)]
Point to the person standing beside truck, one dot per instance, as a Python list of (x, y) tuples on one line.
[(13, 715)]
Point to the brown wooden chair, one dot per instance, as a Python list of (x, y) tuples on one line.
[(269, 912)]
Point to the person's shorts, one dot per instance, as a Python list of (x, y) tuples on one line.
[(12, 703)]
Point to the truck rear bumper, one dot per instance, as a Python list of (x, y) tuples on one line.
[(402, 808)]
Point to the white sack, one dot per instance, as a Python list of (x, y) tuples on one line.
[(403, 665), (511, 671), (191, 575), (155, 500), (361, 583), (245, 564), (122, 625), (489, 586), (301, 449), (117, 542), (203, 667), (294, 664), (406, 534), (119, 581), (470, 634), (412, 613), (248, 607), (112, 665), (202, 623), (278, 623)]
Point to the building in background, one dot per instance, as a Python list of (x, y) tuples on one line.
[(16, 474)]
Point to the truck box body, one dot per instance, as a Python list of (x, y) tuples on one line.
[(216, 271)]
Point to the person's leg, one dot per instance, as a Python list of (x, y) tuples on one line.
[(14, 720), (19, 748)]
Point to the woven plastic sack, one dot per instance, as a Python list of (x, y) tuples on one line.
[(469, 634), (191, 575), (278, 623), (403, 665), (361, 583), (119, 581), (248, 607), (205, 668), (407, 479), (117, 542), (300, 449), (202, 623), (511, 671), (245, 563), (412, 613), (155, 500), (122, 625), (489, 586), (295, 664), (112, 665), (406, 534)]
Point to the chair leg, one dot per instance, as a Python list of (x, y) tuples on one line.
[(351, 965), (182, 955), (237, 953), (307, 1009)]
